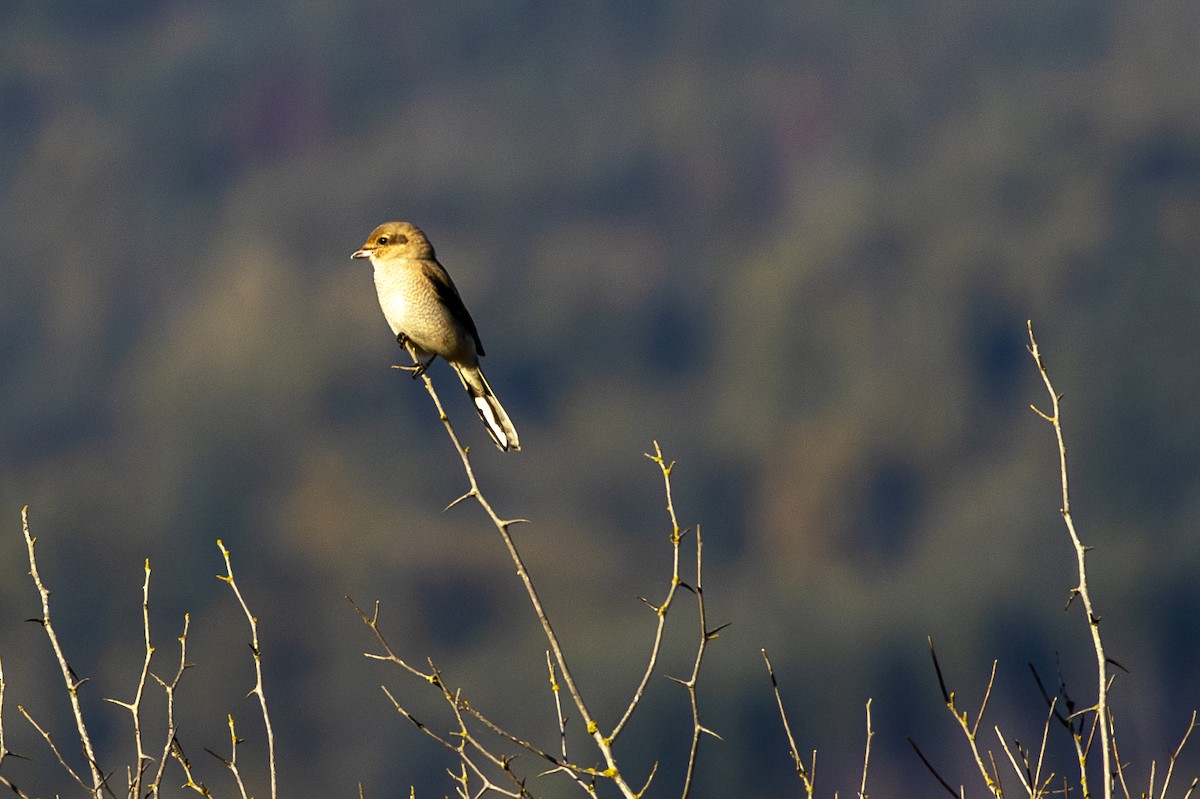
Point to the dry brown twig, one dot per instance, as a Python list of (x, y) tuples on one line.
[(862, 788), (1029, 773), (138, 770), (970, 730), (473, 755), (1081, 588), (169, 688), (469, 747), (141, 781), (4, 752), (706, 634), (808, 775), (99, 783), (1027, 767), (258, 679)]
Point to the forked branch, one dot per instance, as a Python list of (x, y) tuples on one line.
[(1081, 588)]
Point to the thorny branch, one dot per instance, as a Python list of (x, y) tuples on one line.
[(585, 777), (1081, 589)]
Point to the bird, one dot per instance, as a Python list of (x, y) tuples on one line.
[(425, 311)]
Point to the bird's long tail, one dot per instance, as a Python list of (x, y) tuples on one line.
[(498, 425)]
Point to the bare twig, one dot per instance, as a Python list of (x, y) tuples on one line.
[(1174, 758), (466, 761), (862, 788), (474, 756), (4, 752), (603, 742), (258, 675), (463, 734), (806, 775), (72, 682), (556, 692), (1119, 767), (134, 707), (664, 607), (588, 786), (933, 770), (1022, 774), (1081, 589), (169, 689), (970, 729), (181, 758), (1041, 759), (389, 654), (231, 761), (706, 635), (54, 748)]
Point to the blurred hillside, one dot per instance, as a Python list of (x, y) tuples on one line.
[(796, 243)]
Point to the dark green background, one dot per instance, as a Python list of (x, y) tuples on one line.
[(797, 243)]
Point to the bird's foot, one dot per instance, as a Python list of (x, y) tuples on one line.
[(418, 369)]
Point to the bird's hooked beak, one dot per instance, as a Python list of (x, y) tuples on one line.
[(363, 253)]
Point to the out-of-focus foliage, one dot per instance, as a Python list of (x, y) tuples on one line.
[(795, 242)]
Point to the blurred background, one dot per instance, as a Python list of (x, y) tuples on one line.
[(796, 243)]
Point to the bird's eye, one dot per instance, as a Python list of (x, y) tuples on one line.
[(382, 240)]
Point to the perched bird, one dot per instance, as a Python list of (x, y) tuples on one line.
[(424, 310)]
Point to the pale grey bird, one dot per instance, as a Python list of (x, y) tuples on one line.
[(422, 306)]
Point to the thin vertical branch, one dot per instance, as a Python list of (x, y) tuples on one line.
[(662, 609), (556, 691), (198, 787), (1174, 757), (3, 749), (587, 787), (1037, 776), (1022, 774), (68, 674), (258, 675), (170, 688), (970, 729), (1081, 590), (134, 707), (862, 788), (806, 775), (706, 635), (231, 761)]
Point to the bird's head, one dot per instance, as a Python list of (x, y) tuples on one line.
[(395, 240)]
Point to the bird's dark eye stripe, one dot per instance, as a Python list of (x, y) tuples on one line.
[(401, 238)]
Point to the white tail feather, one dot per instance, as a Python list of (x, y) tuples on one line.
[(490, 411)]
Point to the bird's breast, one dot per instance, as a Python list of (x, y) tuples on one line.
[(394, 292)]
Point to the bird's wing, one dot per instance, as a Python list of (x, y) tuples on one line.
[(448, 295)]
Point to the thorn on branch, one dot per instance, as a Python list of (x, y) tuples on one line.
[(947, 697), (465, 496), (931, 769), (651, 605), (1038, 411), (716, 631)]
